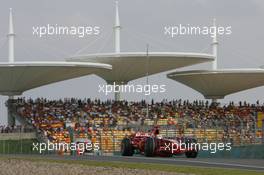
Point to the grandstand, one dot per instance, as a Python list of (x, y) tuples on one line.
[(108, 122)]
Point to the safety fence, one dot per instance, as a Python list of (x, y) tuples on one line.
[(109, 140)]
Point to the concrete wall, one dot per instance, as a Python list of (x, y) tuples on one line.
[(17, 136), (247, 151)]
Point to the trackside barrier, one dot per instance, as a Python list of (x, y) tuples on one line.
[(113, 148), (110, 139), (247, 151), (263, 131)]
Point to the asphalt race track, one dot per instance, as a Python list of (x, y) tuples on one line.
[(247, 164)]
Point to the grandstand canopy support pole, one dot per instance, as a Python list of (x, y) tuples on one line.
[(117, 89), (11, 56), (117, 29), (214, 100), (215, 51), (10, 117), (147, 80), (11, 38), (215, 47), (118, 96)]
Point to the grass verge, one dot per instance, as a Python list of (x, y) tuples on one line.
[(148, 166)]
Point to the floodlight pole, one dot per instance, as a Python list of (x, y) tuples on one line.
[(11, 38), (214, 49), (147, 75), (117, 29)]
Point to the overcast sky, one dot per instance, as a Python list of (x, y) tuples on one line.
[(142, 22)]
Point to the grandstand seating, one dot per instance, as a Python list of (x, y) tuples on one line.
[(108, 122)]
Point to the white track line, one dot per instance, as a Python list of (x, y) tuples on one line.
[(197, 161)]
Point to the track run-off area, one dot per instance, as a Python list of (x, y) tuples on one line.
[(242, 164)]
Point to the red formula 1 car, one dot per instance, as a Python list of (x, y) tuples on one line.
[(151, 144)]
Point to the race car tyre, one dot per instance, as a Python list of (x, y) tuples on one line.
[(150, 147), (189, 141), (191, 154), (126, 147)]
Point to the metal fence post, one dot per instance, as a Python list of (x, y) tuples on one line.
[(241, 129), (204, 129), (4, 147), (20, 144), (255, 128), (263, 131), (114, 140), (166, 130), (100, 135), (7, 147), (216, 134)]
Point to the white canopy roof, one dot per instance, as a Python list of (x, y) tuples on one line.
[(129, 66), (17, 77), (217, 84)]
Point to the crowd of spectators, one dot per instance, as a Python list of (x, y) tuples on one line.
[(86, 117)]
